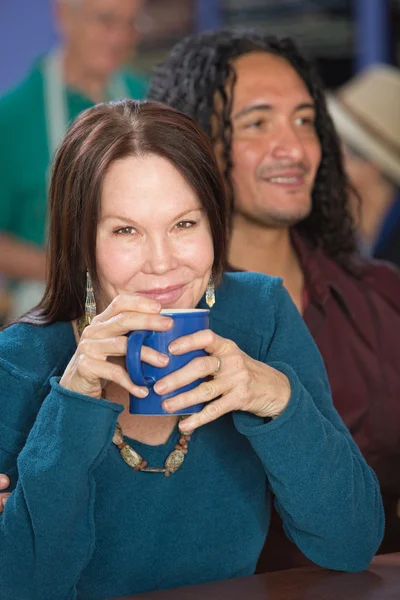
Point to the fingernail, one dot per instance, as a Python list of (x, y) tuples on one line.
[(4, 500), (186, 425), (159, 388), (164, 360), (167, 406), (155, 306), (143, 392), (174, 347), (3, 481), (168, 323)]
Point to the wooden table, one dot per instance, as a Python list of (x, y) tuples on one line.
[(381, 581)]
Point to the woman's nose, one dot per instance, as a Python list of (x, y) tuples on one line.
[(161, 256)]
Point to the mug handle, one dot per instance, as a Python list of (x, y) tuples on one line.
[(135, 343)]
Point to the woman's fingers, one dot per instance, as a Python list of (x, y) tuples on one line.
[(154, 358), (95, 370), (102, 348), (125, 303), (205, 392), (202, 340), (4, 484), (212, 411), (89, 372), (4, 481), (127, 321), (128, 313), (3, 500), (198, 368), (104, 339)]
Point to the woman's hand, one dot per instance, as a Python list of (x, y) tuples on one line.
[(238, 383), (89, 369), (4, 484)]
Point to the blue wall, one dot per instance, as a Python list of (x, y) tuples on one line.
[(372, 32), (26, 31)]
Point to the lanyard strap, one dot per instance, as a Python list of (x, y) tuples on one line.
[(56, 109)]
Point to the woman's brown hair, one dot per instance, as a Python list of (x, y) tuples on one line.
[(97, 138)]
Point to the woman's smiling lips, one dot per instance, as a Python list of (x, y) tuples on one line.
[(164, 295)]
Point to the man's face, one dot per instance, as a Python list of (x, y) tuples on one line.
[(275, 147), (102, 34)]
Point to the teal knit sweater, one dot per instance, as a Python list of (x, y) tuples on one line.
[(80, 524)]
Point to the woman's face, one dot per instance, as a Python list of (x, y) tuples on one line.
[(153, 236)]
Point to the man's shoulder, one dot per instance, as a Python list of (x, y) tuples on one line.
[(20, 100), (33, 352), (383, 279), (370, 278)]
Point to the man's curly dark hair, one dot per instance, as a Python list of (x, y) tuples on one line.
[(200, 67)]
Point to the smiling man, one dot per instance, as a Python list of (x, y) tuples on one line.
[(263, 106), (276, 155)]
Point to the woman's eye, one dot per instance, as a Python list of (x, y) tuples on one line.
[(125, 231), (185, 224)]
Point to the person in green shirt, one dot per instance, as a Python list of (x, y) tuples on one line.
[(98, 38)]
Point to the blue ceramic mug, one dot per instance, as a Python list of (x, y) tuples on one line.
[(186, 321)]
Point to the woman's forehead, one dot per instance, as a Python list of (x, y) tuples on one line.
[(146, 185)]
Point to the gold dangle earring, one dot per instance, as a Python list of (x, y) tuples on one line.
[(90, 301), (210, 293)]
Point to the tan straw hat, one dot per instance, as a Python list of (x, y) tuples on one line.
[(366, 113)]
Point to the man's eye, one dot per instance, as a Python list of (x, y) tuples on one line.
[(254, 124), (185, 224), (306, 121), (125, 231)]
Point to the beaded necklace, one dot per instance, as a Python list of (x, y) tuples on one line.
[(172, 463), (132, 458)]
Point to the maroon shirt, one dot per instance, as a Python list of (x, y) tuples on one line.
[(355, 322)]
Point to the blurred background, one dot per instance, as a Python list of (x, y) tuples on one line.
[(341, 35)]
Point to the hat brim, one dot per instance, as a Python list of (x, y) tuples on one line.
[(365, 142)]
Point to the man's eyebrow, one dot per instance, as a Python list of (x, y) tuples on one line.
[(248, 109), (304, 106), (267, 107)]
